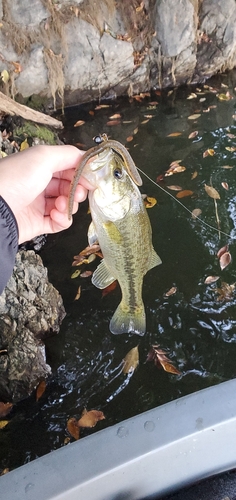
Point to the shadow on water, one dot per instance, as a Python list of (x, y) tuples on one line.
[(196, 328)]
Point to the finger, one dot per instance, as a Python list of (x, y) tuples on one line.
[(58, 187)]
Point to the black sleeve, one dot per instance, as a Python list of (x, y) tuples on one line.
[(8, 242)]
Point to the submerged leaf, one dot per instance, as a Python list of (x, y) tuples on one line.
[(194, 175), (208, 152), (225, 185), (222, 250), (225, 260), (77, 297), (5, 408), (40, 389), (212, 192), (150, 202), (75, 274), (160, 359), (211, 279), (183, 194), (109, 288), (196, 212), (175, 188), (79, 123), (174, 134), (194, 117), (193, 134), (171, 291), (90, 418), (131, 360), (3, 423), (226, 292)]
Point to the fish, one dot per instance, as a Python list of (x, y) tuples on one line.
[(121, 225)]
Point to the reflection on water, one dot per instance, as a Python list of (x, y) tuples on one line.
[(197, 329)]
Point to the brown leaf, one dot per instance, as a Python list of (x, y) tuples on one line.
[(174, 134), (129, 139), (226, 292), (183, 194), (171, 291), (86, 274), (194, 175), (3, 423), (5, 408), (193, 134), (90, 418), (150, 202), (196, 212), (131, 360), (116, 116), (225, 260), (89, 250), (77, 297), (79, 123), (211, 279), (212, 192), (225, 185), (40, 389), (73, 428), (208, 152), (160, 359), (112, 123), (230, 148), (194, 117), (102, 106), (109, 288)]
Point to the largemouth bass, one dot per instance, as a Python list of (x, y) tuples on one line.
[(121, 226)]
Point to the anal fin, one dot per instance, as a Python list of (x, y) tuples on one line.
[(102, 277)]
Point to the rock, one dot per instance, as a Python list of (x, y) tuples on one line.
[(30, 310)]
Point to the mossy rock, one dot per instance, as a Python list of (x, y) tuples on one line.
[(31, 130)]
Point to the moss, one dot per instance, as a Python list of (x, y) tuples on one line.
[(29, 129)]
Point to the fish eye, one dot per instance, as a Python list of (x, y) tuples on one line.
[(117, 172)]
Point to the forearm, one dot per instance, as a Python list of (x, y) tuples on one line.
[(8, 242)]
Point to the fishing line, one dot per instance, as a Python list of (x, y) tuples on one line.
[(182, 205)]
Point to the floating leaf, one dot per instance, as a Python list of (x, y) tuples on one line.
[(79, 123), (5, 408), (224, 97), (116, 116), (196, 212), (174, 168), (194, 175), (77, 297), (231, 136), (230, 148), (109, 288), (208, 152), (174, 134), (184, 193), (102, 106), (3, 423), (129, 139), (227, 166), (225, 185), (5, 471), (86, 274), (222, 250), (171, 291), (112, 123), (145, 121), (175, 188), (211, 279), (160, 359), (192, 96), (75, 274), (131, 360), (90, 418), (73, 428), (150, 202), (194, 117), (40, 389), (212, 192), (225, 260), (135, 131), (193, 134)]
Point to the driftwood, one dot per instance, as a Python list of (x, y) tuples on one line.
[(7, 105)]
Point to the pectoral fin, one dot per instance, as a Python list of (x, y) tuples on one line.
[(155, 260), (113, 232), (92, 236), (102, 277)]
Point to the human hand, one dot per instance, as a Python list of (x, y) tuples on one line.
[(35, 183)]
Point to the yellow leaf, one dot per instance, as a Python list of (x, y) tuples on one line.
[(194, 117), (75, 274), (5, 76), (212, 192), (183, 194), (90, 418), (174, 134), (73, 428), (150, 202), (24, 145), (3, 423), (131, 360), (78, 293)]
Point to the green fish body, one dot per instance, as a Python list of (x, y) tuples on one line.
[(121, 226)]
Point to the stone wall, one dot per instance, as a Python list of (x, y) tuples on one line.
[(86, 50)]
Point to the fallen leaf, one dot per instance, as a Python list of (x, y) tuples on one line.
[(135, 131), (175, 168), (102, 106), (193, 134), (192, 96), (86, 274), (112, 123), (150, 202), (40, 389), (24, 145), (89, 250), (160, 359), (90, 418), (222, 250), (184, 193), (211, 279), (3, 423), (174, 134), (231, 136), (231, 148), (171, 291), (5, 76), (227, 166), (129, 139), (131, 360), (208, 152), (234, 117), (174, 188), (212, 192), (75, 274), (73, 428), (194, 175), (5, 408), (225, 185), (77, 297), (145, 121), (79, 123), (194, 117), (196, 212), (116, 116), (225, 260), (5, 471), (224, 97), (109, 288)]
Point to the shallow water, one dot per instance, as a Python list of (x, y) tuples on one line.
[(196, 329)]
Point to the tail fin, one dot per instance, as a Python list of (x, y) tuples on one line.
[(128, 321)]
